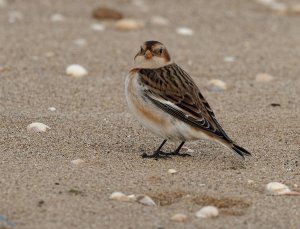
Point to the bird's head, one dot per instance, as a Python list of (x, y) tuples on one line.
[(152, 54)]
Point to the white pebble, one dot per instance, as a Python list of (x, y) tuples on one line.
[(129, 24), (77, 161), (263, 77), (172, 171), (76, 70), (37, 127), (250, 182), (51, 109), (14, 16), (187, 150), (185, 31), (146, 200), (57, 18), (119, 196), (276, 188), (229, 58), (216, 85), (158, 20), (207, 212), (80, 42), (179, 217), (97, 27)]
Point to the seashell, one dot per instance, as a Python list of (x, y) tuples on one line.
[(106, 13), (37, 127), (97, 27), (77, 161), (119, 196), (127, 24), (57, 18), (185, 31), (187, 150), (158, 20), (263, 77), (146, 200), (229, 58), (179, 217), (80, 42), (76, 70), (207, 212), (276, 188), (216, 85), (172, 171), (51, 109)]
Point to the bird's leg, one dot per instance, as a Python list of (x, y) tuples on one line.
[(176, 152), (157, 153)]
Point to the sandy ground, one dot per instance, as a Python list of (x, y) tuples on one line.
[(40, 188)]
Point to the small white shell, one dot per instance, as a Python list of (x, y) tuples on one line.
[(37, 127), (129, 24), (276, 188), (57, 18), (51, 109), (77, 161), (119, 196), (97, 27), (216, 85), (76, 70), (179, 217), (263, 77), (229, 58), (172, 171), (185, 31), (146, 200), (207, 212), (158, 20)]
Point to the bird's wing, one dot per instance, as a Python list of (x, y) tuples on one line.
[(171, 89)]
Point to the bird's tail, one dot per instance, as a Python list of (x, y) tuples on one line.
[(239, 150)]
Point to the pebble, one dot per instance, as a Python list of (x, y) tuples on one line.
[(207, 212), (77, 161), (80, 42), (187, 150), (172, 171), (158, 20), (51, 109), (145, 200), (37, 127), (263, 77), (106, 13), (229, 58), (216, 85), (276, 188), (119, 196), (185, 31), (14, 16), (57, 18), (179, 217), (97, 27), (76, 71), (127, 24)]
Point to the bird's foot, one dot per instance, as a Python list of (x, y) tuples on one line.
[(156, 155), (176, 153)]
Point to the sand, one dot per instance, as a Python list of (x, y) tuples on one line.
[(41, 188)]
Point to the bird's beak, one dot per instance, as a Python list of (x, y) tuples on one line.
[(148, 54)]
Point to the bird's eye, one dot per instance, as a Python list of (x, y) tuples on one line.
[(160, 51)]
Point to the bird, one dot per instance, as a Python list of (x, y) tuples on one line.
[(166, 100)]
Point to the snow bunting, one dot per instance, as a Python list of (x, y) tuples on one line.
[(165, 99)]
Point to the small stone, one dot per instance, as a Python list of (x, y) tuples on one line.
[(172, 171), (127, 24), (185, 31), (263, 77), (187, 150), (106, 13), (97, 27), (119, 196), (76, 71), (207, 212), (250, 182), (37, 127), (179, 217), (158, 20), (77, 161), (216, 85), (57, 18), (145, 200), (229, 58), (276, 188), (80, 42), (51, 109)]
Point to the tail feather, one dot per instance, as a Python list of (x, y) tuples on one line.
[(240, 150)]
